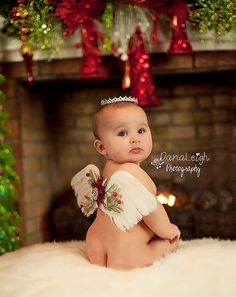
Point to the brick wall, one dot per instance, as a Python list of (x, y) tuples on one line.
[(191, 122), (52, 136), (185, 123)]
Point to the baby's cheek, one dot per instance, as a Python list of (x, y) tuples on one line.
[(149, 143)]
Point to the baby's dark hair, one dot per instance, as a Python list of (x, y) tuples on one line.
[(98, 116)]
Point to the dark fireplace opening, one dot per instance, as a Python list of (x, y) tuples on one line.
[(202, 212)]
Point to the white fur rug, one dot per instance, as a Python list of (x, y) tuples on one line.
[(200, 268)]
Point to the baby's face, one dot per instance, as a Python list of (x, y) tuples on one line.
[(125, 134)]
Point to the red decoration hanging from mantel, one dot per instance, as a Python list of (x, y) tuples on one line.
[(27, 54), (142, 86), (92, 66), (81, 14), (20, 13), (180, 43), (178, 13), (73, 13)]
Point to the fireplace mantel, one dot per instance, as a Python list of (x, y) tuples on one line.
[(226, 75)]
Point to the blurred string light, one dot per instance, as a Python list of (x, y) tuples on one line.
[(10, 233)]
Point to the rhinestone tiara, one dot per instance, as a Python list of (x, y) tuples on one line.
[(119, 99)]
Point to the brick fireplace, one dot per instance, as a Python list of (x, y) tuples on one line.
[(52, 139)]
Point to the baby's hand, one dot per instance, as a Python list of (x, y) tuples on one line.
[(175, 235)]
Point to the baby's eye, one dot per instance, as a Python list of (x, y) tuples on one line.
[(141, 131), (123, 133)]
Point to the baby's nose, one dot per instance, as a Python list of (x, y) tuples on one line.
[(134, 139)]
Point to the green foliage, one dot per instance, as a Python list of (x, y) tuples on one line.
[(218, 15), (45, 28), (2, 78), (107, 20), (37, 25), (10, 233)]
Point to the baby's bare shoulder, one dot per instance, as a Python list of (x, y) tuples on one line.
[(130, 167), (140, 174), (134, 169)]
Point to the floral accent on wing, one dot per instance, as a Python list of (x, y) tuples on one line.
[(88, 206), (101, 194), (113, 199)]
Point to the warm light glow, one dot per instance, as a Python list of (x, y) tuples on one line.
[(162, 199), (126, 79), (170, 199), (175, 21), (126, 82)]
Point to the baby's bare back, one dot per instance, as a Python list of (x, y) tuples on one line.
[(111, 247)]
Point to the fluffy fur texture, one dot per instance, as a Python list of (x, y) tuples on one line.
[(199, 268)]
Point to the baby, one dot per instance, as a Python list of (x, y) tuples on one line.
[(131, 228)]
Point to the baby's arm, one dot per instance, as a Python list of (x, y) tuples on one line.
[(160, 224), (158, 220)]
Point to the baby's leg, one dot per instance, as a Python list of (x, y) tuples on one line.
[(161, 247)]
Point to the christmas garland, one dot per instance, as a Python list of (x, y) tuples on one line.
[(41, 22), (112, 26)]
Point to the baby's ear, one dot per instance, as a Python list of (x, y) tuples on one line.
[(100, 147)]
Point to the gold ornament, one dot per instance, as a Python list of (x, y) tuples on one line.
[(26, 48), (22, 12), (24, 30)]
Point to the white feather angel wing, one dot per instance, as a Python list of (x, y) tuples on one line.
[(135, 200), (84, 192), (122, 197)]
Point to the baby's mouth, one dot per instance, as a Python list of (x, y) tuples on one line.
[(135, 150)]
